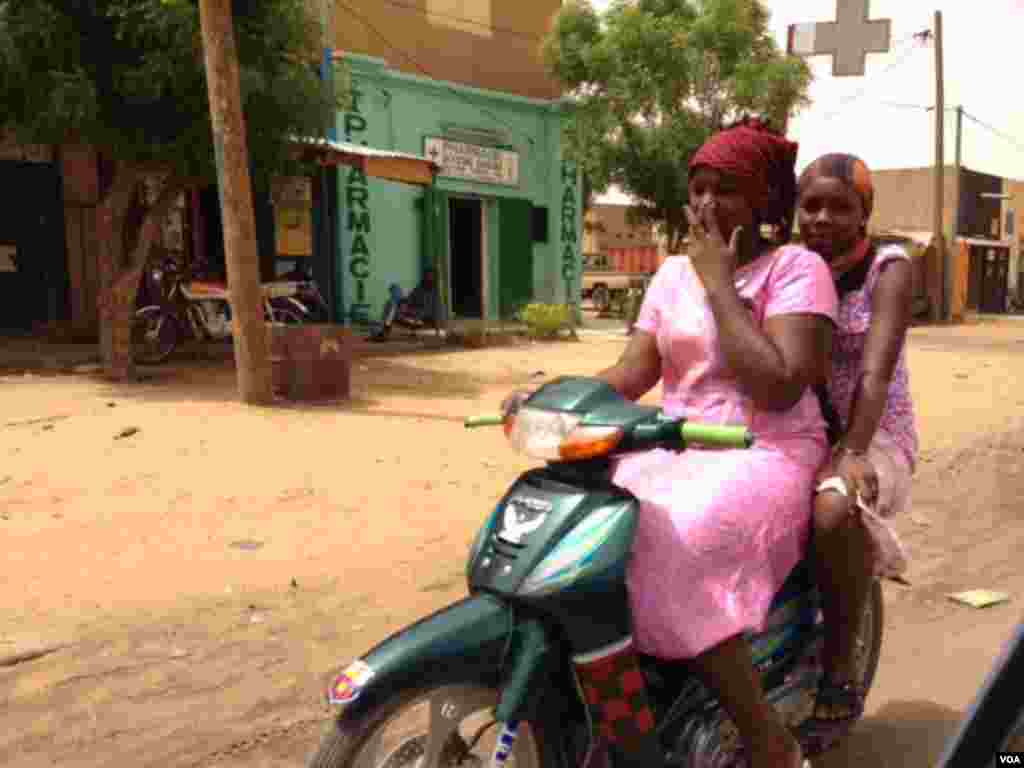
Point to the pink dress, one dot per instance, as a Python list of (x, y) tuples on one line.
[(719, 531)]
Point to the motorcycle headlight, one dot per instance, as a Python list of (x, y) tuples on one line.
[(556, 436)]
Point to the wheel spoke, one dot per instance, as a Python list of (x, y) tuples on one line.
[(443, 722), (426, 733)]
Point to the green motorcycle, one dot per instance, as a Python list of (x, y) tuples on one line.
[(495, 678)]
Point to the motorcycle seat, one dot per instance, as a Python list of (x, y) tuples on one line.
[(207, 288)]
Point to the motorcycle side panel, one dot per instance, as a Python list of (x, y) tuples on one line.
[(464, 642)]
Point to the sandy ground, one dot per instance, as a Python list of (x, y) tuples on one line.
[(204, 574)]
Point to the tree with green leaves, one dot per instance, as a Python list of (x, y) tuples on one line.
[(651, 80), (127, 77)]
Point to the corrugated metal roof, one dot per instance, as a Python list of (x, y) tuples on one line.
[(921, 237), (348, 148)]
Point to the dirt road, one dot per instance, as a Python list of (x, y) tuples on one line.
[(201, 567)]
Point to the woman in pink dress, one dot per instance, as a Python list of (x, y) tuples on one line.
[(867, 478), (738, 330)]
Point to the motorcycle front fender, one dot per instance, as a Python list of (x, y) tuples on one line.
[(461, 643)]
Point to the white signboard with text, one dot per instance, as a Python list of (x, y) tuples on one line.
[(472, 162)]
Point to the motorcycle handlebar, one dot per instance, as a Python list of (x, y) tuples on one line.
[(489, 420), (716, 435), (711, 435)]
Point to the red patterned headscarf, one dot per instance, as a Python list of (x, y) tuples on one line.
[(762, 159)]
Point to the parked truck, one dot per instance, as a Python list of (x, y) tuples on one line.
[(609, 276)]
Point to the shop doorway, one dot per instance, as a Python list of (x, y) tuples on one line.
[(33, 267), (466, 256)]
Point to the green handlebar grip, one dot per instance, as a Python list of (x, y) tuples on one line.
[(717, 435), (490, 420)]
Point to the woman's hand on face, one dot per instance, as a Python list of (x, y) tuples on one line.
[(714, 260)]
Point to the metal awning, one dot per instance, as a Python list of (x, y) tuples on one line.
[(919, 237), (378, 163)]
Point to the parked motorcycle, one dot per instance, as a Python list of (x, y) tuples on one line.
[(995, 721), (184, 308), (500, 675)]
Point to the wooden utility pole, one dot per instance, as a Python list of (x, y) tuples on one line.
[(944, 254), (958, 164), (252, 360)]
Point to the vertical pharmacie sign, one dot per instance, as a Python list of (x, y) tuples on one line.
[(358, 219), (570, 241)]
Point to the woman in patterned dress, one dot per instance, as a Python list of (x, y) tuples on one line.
[(867, 478)]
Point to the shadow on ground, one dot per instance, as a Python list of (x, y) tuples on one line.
[(902, 734), (216, 382)]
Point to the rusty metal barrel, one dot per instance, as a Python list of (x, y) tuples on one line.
[(311, 362)]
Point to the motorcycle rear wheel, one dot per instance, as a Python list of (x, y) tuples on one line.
[(869, 639), (456, 715), (155, 336), (285, 316)]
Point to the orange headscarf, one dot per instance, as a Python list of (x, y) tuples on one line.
[(853, 172)]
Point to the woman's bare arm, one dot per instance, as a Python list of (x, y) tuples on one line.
[(776, 365), (639, 368), (890, 319)]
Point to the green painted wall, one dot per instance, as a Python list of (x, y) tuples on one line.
[(381, 238)]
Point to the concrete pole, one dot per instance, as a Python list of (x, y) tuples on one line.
[(945, 254), (958, 165), (252, 360)]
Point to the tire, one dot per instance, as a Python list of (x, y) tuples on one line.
[(155, 336), (347, 743), (285, 316), (869, 640), (601, 297)]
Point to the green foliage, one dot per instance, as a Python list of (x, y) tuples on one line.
[(651, 80), (545, 320), (129, 76)]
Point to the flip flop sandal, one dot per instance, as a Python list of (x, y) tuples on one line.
[(820, 734), (739, 760)]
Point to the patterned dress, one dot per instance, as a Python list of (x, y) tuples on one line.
[(893, 450), (719, 531)]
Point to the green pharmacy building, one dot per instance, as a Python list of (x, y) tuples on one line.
[(501, 223)]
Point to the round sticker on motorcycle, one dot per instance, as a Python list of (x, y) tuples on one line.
[(349, 684)]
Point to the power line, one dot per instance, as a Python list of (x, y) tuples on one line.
[(424, 70), (463, 20), (916, 37), (1004, 136), (901, 105)]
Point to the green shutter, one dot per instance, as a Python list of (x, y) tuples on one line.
[(435, 240), (515, 256)]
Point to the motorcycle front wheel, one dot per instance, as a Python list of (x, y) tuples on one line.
[(155, 336), (451, 726)]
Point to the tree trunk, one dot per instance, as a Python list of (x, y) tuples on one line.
[(126, 286), (252, 357), (119, 278), (110, 220)]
